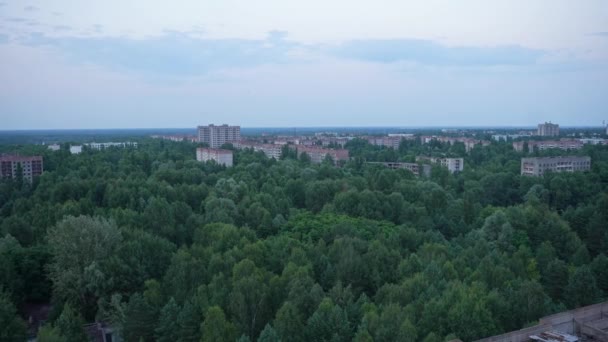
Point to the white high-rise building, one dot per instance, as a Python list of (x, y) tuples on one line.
[(221, 157), (216, 136), (548, 129)]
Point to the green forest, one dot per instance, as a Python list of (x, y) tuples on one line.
[(165, 248)]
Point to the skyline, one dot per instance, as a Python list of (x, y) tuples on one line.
[(435, 63)]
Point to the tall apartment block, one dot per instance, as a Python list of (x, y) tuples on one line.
[(30, 166), (548, 129), (539, 166), (221, 157), (216, 136)]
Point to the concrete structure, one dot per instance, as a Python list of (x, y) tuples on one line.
[(541, 165), (270, 150), (469, 143), (76, 149), (452, 164), (391, 142), (506, 137), (548, 130), (30, 166), (589, 322), (221, 157), (594, 141), (416, 169), (564, 145), (318, 155), (216, 136), (101, 146), (176, 138), (54, 147)]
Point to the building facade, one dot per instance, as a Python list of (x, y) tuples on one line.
[(416, 169), (102, 146), (541, 165), (270, 150), (564, 145), (548, 130), (216, 136), (452, 164), (30, 166), (221, 157), (317, 155)]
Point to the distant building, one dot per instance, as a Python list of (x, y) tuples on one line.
[(318, 155), (548, 130), (177, 138), (540, 166), (564, 145), (221, 157), (270, 150), (76, 149), (452, 164), (54, 147), (101, 146), (506, 137), (390, 141), (30, 166), (469, 143), (216, 136), (594, 141), (416, 169)]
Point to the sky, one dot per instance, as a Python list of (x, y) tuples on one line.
[(68, 64)]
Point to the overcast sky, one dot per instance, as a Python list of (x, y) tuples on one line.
[(283, 63)]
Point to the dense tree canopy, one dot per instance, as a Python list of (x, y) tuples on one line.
[(166, 248)]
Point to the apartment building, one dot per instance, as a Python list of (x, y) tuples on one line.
[(102, 146), (452, 164), (318, 155), (564, 145), (216, 136), (469, 143), (270, 150), (30, 166), (416, 169), (548, 130), (221, 157), (539, 166)]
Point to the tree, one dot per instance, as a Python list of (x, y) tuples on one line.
[(80, 247), (582, 289), (12, 328), (289, 323), (190, 319), (50, 334), (140, 321), (249, 297), (168, 325), (328, 323), (70, 325), (216, 327), (269, 335)]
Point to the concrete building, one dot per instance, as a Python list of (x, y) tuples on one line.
[(452, 164), (548, 130), (270, 150), (216, 136), (564, 145), (30, 166), (318, 155), (54, 147), (221, 157), (469, 143), (594, 141), (539, 166), (416, 169), (76, 149), (101, 146), (590, 323)]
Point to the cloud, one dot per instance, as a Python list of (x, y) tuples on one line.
[(16, 19), (62, 28), (433, 53), (599, 34), (30, 8), (3, 39), (173, 54)]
